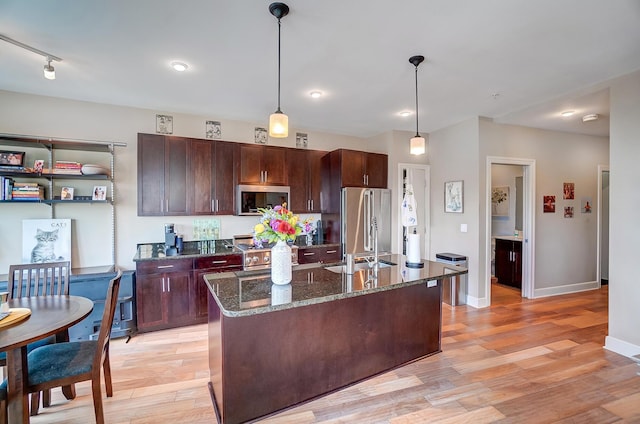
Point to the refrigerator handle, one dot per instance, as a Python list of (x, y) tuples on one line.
[(368, 199)]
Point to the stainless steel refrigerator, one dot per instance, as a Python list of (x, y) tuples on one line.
[(359, 207)]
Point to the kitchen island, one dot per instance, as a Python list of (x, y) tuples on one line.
[(272, 347)]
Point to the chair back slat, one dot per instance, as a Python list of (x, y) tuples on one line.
[(26, 280), (110, 303)]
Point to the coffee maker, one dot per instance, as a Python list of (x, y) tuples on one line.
[(170, 237)]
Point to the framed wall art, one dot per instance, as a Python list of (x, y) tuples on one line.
[(500, 201), (46, 240), (453, 196), (164, 124)]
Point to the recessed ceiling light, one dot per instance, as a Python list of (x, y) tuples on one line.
[(179, 66), (405, 113), (590, 117), (567, 113), (316, 94)]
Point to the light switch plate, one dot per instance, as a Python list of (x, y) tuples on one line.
[(432, 283), (463, 228)]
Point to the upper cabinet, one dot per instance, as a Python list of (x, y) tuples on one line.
[(354, 168), (162, 175), (262, 165), (304, 171), (213, 164), (185, 176)]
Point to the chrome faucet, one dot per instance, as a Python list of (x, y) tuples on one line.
[(373, 232)]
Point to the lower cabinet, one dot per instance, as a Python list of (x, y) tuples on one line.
[(323, 254), (509, 262), (171, 292)]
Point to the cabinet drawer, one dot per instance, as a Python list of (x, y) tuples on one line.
[(331, 254), (219, 261), (164, 265)]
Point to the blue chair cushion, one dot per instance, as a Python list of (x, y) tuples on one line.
[(32, 346), (60, 360)]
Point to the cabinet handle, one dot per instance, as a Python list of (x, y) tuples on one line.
[(168, 284), (364, 179), (164, 266), (213, 205), (162, 284), (311, 205), (308, 253), (217, 205), (162, 205), (218, 262), (331, 251)]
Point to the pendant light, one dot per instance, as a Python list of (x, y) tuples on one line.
[(418, 145), (278, 121)]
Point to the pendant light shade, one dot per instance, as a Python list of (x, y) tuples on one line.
[(417, 145), (278, 121), (49, 71)]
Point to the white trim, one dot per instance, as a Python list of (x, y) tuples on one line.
[(621, 347), (601, 169), (528, 222), (478, 302), (569, 288), (426, 237)]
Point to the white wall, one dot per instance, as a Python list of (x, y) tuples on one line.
[(624, 231), (453, 154), (59, 118)]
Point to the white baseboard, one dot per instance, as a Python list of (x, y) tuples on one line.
[(621, 347), (570, 288), (477, 302)]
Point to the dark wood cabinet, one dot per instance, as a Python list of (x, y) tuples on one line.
[(321, 254), (163, 165), (211, 177), (360, 169), (304, 175), (163, 294), (209, 265), (262, 165), (508, 262)]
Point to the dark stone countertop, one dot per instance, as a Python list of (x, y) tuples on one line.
[(245, 293)]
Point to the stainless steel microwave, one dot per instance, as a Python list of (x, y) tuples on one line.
[(252, 197)]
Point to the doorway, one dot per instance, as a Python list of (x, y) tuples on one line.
[(527, 232), (418, 177), (603, 225)]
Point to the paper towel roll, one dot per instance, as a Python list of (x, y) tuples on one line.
[(413, 249)]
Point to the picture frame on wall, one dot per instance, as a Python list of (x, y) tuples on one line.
[(260, 135), (46, 240), (164, 124), (500, 201), (454, 196), (213, 130)]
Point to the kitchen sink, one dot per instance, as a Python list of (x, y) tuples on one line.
[(359, 265)]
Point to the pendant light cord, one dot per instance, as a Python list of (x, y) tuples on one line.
[(417, 133), (279, 111)]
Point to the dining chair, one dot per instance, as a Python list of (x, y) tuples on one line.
[(62, 364), (41, 279)]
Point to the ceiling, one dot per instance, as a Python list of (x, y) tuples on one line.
[(516, 61)]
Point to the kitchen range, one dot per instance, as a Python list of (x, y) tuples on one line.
[(256, 258)]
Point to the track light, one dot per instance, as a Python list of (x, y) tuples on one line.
[(417, 145), (49, 70)]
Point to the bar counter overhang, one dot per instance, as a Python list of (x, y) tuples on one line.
[(274, 347)]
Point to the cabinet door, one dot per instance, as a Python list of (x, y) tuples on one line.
[(226, 165), (150, 174), (178, 298), (298, 171), (352, 168), (149, 301), (202, 177), (376, 170), (315, 179), (517, 264), (176, 166), (274, 162), (250, 164), (503, 261)]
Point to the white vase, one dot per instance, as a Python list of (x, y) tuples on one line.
[(281, 263)]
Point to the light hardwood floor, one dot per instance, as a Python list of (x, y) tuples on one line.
[(520, 361)]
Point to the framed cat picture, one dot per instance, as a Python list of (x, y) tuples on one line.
[(46, 240)]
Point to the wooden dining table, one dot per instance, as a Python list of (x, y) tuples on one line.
[(49, 315)]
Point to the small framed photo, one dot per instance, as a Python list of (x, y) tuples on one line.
[(213, 130), (301, 140), (164, 124), (38, 166), (260, 135), (99, 193), (453, 196), (10, 158), (66, 193)]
